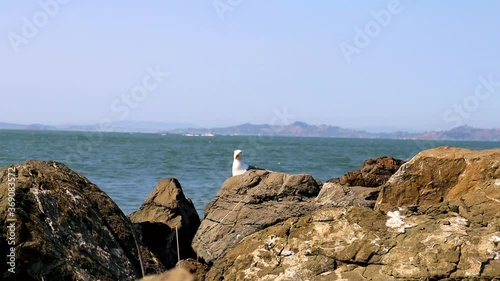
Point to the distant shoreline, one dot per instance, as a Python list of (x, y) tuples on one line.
[(210, 134)]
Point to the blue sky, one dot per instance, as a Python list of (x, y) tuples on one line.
[(414, 65)]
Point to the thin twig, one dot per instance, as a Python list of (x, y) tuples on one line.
[(138, 251), (177, 238)]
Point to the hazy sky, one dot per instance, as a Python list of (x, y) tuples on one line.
[(405, 64)]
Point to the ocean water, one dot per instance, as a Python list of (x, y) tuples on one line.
[(127, 166)]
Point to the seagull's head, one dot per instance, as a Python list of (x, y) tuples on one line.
[(238, 154)]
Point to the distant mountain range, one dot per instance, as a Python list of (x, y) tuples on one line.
[(301, 129), (462, 133), (296, 129), (117, 126)]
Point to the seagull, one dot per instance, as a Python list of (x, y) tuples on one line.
[(240, 167)]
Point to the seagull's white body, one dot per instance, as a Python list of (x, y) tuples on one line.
[(239, 167)]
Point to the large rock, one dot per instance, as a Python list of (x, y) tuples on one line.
[(66, 228), (359, 187), (196, 268), (176, 274), (373, 173), (164, 212), (449, 229), (428, 243), (185, 270), (251, 202), (441, 174), (338, 195)]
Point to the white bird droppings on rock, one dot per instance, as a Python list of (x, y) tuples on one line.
[(495, 238), (395, 221)]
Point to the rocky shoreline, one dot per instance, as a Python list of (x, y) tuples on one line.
[(435, 217)]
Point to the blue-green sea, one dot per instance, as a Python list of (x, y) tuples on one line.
[(127, 166)]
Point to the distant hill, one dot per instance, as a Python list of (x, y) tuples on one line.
[(117, 126), (462, 133), (12, 126), (296, 129)]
